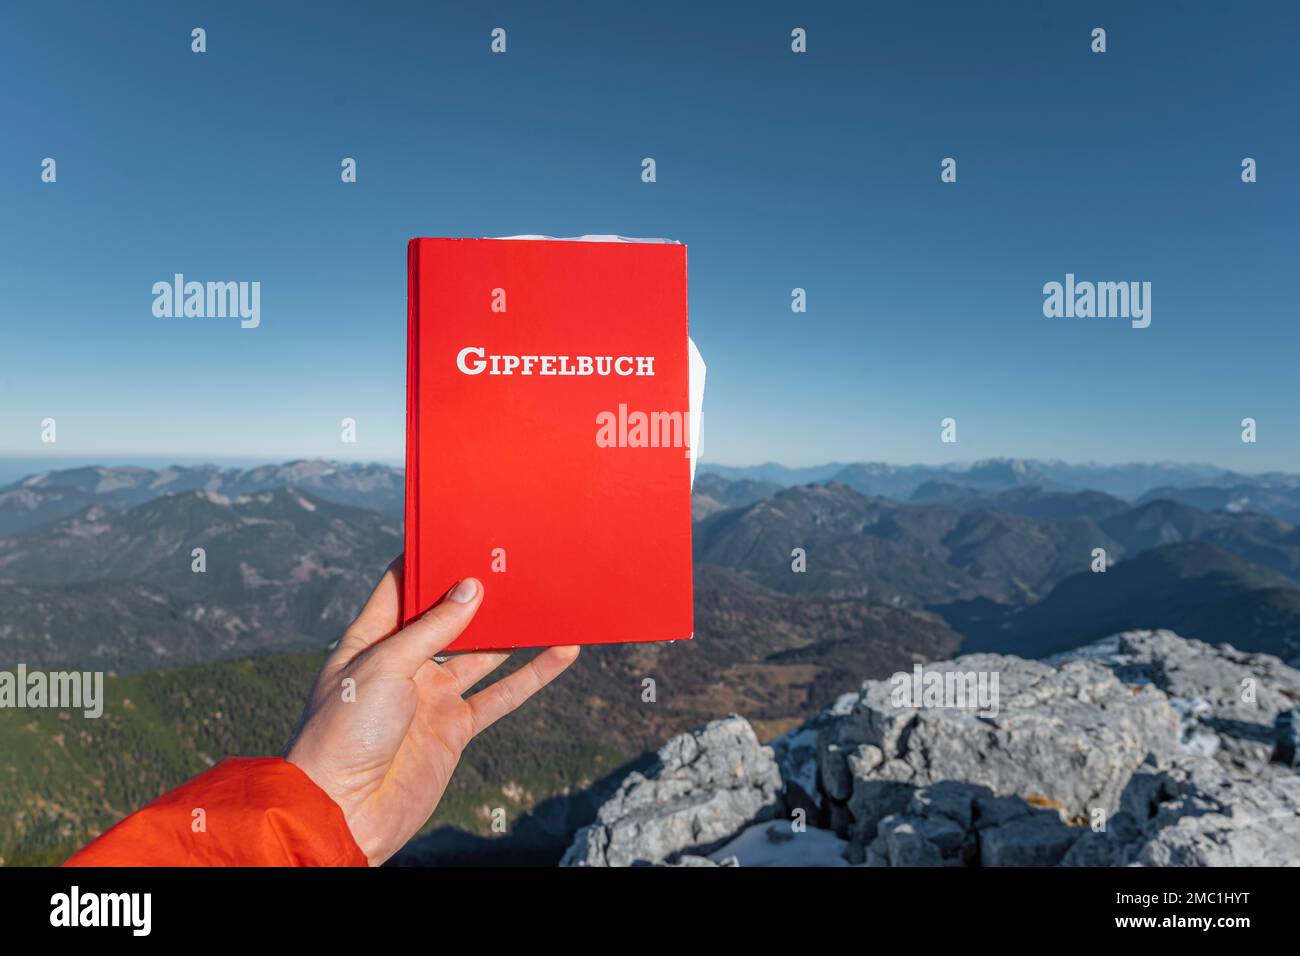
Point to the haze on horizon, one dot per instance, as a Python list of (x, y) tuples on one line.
[(15, 466)]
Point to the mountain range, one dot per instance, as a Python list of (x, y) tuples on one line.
[(97, 570), (96, 563), (1202, 486), (1016, 567), (115, 587), (49, 495)]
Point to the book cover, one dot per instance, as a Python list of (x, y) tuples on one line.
[(550, 438)]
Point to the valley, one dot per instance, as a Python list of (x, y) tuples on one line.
[(96, 573)]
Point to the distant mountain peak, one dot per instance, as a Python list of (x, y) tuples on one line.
[(49, 496)]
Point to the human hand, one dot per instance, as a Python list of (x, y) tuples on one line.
[(385, 747)]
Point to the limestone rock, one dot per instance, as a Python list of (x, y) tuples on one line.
[(1226, 699), (1160, 743), (1196, 812), (704, 788), (1069, 736)]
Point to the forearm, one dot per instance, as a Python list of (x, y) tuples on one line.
[(259, 811)]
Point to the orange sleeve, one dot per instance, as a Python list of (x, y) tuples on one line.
[(260, 811)]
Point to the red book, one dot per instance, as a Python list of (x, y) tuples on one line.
[(549, 387)]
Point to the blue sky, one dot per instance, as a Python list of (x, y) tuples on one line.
[(779, 170)]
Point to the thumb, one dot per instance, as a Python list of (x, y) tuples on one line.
[(414, 644)]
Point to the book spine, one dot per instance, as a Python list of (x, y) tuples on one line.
[(411, 547), (686, 346)]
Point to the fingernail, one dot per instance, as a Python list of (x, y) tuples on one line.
[(464, 592)]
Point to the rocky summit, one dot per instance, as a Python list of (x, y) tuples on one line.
[(1142, 749), (704, 787)]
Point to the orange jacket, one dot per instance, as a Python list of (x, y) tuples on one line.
[(258, 811)]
